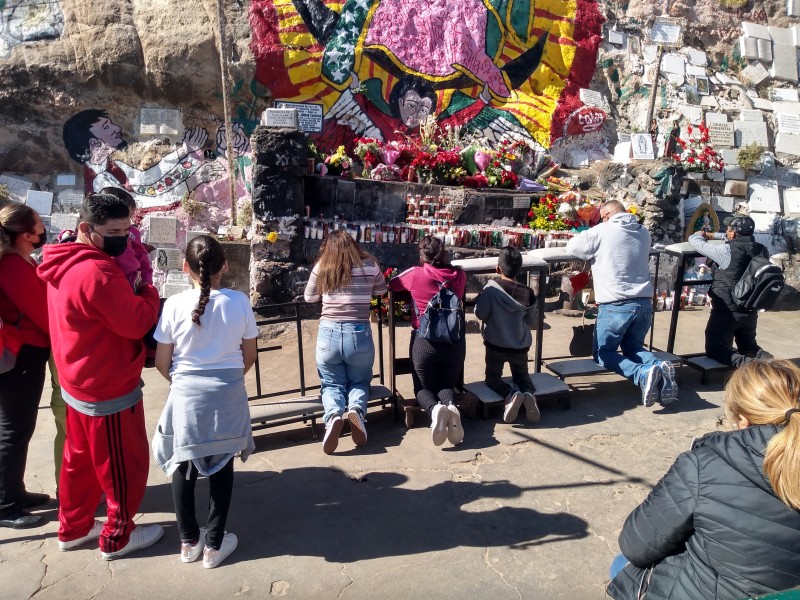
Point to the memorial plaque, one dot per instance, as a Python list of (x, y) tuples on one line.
[(673, 63), (70, 199), (735, 188), (17, 187), (724, 203), (781, 35), (591, 97), (754, 73), (788, 123), (751, 115), (787, 143), (764, 195), (170, 289), (280, 117), (66, 180), (756, 30), (178, 277), (748, 132), (764, 50), (160, 121), (695, 70), (666, 31), (168, 259), (616, 37), (693, 113), (162, 230), (762, 104), (715, 117), (784, 64), (62, 221), (748, 48), (41, 202), (622, 153), (721, 134), (642, 146), (309, 115), (521, 202), (785, 95), (697, 57), (791, 202)]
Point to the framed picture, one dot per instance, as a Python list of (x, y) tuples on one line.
[(702, 85), (634, 45)]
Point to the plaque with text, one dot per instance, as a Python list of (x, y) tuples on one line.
[(721, 134), (309, 115)]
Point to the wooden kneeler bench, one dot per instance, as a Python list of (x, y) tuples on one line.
[(548, 389), (582, 367), (305, 409)]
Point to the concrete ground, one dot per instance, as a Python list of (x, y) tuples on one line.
[(516, 511)]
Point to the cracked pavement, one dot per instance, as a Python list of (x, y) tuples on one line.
[(516, 511)]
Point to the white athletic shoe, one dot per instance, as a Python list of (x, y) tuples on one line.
[(191, 552), (531, 408), (650, 386), (440, 417), (511, 409), (455, 432), (94, 533), (213, 558), (141, 537)]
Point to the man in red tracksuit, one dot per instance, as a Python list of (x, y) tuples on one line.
[(100, 322)]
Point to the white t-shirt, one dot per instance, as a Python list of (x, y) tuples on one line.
[(216, 342)]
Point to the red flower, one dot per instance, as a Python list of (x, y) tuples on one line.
[(551, 217)]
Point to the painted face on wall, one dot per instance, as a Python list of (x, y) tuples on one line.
[(414, 109), (107, 132)]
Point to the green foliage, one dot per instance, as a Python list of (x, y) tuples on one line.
[(733, 4), (749, 156), (244, 214), (192, 207)]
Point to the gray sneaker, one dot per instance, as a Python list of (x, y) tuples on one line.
[(531, 408), (333, 429), (669, 387), (650, 385), (511, 409)]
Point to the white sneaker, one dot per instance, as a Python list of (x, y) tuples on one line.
[(333, 429), (141, 537), (94, 533), (669, 387), (440, 417), (357, 427), (531, 408), (455, 433), (213, 558), (191, 552), (512, 404), (650, 386)]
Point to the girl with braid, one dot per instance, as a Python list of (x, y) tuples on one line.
[(206, 343)]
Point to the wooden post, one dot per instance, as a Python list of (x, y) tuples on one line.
[(654, 91), (226, 105)]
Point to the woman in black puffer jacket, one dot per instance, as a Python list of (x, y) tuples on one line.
[(724, 522)]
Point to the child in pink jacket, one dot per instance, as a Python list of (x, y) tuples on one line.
[(134, 262)]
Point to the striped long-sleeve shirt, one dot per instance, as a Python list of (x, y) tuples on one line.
[(352, 302)]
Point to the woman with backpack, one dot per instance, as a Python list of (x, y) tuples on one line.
[(724, 522), (437, 363), (345, 278)]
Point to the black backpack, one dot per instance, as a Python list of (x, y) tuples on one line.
[(760, 285), (443, 319)]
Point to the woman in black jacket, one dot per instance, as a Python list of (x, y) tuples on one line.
[(724, 522)]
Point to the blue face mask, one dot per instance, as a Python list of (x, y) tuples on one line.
[(113, 245)]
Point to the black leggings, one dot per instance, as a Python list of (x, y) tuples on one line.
[(20, 393), (221, 484), (437, 368)]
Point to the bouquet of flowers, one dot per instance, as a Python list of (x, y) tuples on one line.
[(370, 152), (697, 155), (338, 163), (549, 214)]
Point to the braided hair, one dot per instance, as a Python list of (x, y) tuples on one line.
[(205, 258)]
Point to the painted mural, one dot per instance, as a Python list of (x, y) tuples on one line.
[(26, 21), (502, 68), (92, 138)]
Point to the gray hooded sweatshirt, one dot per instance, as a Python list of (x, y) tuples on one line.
[(619, 251), (506, 324)]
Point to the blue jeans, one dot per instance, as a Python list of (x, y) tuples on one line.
[(345, 354), (623, 325)]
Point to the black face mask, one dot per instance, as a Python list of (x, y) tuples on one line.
[(41, 242), (114, 245)]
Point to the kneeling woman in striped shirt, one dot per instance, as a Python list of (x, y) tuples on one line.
[(345, 278)]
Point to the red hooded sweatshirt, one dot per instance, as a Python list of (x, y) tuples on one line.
[(97, 321), (423, 283)]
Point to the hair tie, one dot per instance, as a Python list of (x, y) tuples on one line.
[(790, 412)]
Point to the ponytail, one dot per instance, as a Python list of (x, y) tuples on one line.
[(15, 219), (205, 258), (768, 393)]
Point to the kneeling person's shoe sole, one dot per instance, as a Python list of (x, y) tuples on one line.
[(357, 428), (669, 387), (650, 385), (141, 537), (440, 418), (531, 408), (511, 408), (333, 429), (455, 432)]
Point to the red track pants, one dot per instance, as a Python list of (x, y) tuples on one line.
[(103, 454)]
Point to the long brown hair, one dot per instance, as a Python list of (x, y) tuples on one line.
[(338, 256), (205, 258), (15, 219), (765, 392)]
